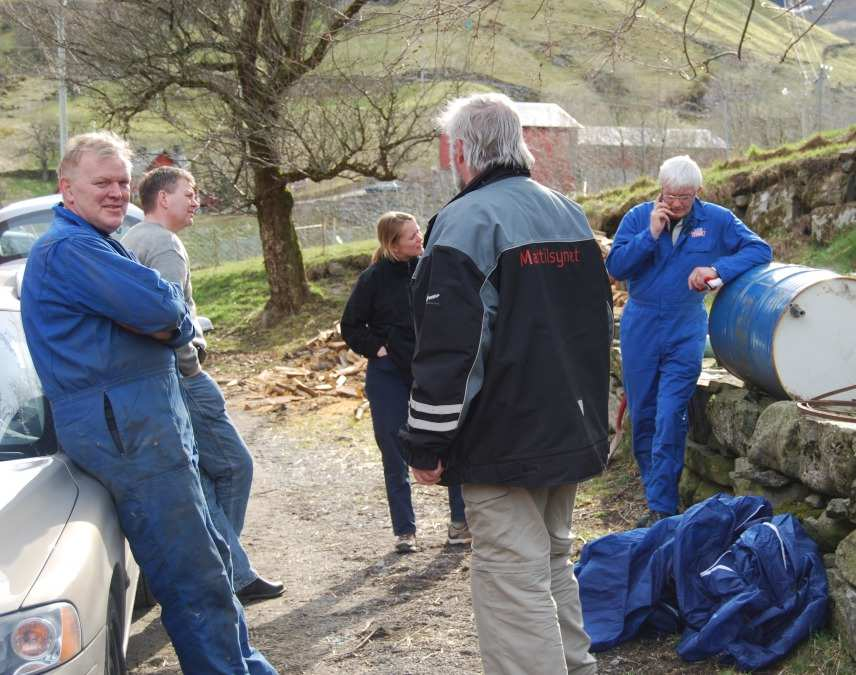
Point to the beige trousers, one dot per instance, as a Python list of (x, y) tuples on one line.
[(525, 596)]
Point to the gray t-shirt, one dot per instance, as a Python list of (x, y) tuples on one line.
[(162, 250)]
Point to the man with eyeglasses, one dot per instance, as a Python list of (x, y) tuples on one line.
[(670, 251)]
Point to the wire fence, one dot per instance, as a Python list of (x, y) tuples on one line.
[(214, 244)]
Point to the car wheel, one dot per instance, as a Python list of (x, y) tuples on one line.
[(144, 597), (115, 658)]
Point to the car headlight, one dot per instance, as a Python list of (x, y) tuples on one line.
[(35, 640)]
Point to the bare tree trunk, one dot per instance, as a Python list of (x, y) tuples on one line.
[(282, 256)]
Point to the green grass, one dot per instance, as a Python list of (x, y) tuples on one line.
[(839, 255), (234, 294), (13, 189)]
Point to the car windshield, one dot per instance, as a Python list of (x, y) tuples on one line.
[(25, 427), (19, 233)]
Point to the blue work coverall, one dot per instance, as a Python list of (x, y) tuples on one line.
[(119, 414), (664, 324)]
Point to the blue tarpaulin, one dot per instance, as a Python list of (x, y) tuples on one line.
[(743, 585)]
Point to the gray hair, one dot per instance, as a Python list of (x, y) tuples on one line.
[(102, 143), (490, 129), (680, 171)]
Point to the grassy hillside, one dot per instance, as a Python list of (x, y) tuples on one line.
[(554, 51)]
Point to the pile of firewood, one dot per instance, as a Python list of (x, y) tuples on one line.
[(619, 293), (323, 368)]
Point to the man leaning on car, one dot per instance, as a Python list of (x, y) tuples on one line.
[(102, 330)]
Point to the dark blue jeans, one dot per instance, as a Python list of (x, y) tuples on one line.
[(388, 393), (226, 468)]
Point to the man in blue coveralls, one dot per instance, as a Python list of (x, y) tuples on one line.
[(669, 250), (102, 330)]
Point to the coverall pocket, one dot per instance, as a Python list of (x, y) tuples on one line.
[(699, 244), (110, 419)]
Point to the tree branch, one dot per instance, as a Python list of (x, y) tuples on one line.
[(803, 34)]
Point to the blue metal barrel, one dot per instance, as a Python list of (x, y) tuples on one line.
[(788, 329)]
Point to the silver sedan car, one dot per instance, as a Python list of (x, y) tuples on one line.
[(67, 577)]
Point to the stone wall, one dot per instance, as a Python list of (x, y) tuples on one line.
[(794, 202), (743, 442)]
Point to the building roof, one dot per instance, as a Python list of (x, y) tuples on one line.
[(544, 115), (639, 136), (144, 158)]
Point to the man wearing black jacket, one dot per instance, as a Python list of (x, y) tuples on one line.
[(513, 318)]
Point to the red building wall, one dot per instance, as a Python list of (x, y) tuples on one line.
[(551, 147)]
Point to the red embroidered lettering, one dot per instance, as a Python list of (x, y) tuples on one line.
[(549, 256)]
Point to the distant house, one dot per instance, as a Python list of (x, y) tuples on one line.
[(146, 160), (611, 156), (551, 134), (572, 158)]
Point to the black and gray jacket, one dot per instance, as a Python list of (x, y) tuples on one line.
[(513, 317)]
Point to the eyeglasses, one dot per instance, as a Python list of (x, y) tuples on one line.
[(679, 198)]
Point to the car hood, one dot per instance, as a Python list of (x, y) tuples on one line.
[(36, 499)]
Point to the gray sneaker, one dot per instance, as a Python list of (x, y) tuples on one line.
[(406, 543), (459, 533)]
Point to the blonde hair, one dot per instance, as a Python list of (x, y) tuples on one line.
[(102, 143), (388, 230)]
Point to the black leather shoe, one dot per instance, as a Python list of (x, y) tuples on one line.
[(260, 589)]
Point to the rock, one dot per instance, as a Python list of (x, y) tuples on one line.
[(845, 558), (815, 500), (693, 488), (827, 222), (687, 486), (838, 509), (733, 414), (706, 489), (820, 453), (335, 269), (741, 201), (699, 424), (749, 479), (744, 468), (710, 465), (824, 188), (828, 533), (842, 598), (770, 207), (829, 560)]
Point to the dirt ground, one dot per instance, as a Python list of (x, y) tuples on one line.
[(318, 521)]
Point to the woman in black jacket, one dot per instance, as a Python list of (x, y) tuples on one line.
[(377, 324)]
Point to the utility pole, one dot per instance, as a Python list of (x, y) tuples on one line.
[(822, 76), (61, 94)]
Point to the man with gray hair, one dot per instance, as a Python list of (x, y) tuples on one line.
[(670, 251), (513, 317), (102, 331)]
